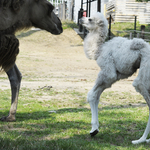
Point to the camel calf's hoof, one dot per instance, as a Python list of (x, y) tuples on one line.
[(8, 119), (94, 133)]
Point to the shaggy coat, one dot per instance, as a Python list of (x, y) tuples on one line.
[(13, 4), (17, 15), (118, 58), (91, 46), (9, 44)]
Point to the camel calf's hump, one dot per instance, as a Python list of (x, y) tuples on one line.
[(137, 44)]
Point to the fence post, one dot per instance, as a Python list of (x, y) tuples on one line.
[(142, 31), (70, 7), (99, 5), (80, 15), (109, 32), (135, 26), (60, 12), (130, 35), (64, 11)]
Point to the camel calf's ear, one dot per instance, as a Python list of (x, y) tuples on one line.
[(100, 23)]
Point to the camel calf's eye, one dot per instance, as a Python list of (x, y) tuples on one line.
[(90, 20)]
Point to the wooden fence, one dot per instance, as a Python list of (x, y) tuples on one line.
[(130, 34), (126, 10)]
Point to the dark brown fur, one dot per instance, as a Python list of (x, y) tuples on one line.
[(9, 52), (17, 15), (17, 26), (9, 49), (13, 4), (9, 44)]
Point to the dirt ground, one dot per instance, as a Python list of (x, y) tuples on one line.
[(57, 61)]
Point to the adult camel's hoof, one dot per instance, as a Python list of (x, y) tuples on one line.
[(94, 133), (8, 119)]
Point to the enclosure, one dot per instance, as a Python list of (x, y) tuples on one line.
[(53, 112)]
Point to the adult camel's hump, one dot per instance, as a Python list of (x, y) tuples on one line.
[(14, 4), (8, 11)]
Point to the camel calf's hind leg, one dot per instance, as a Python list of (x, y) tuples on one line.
[(14, 76), (142, 86)]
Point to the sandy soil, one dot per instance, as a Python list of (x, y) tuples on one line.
[(57, 61)]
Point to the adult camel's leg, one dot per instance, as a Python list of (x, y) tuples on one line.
[(14, 76)]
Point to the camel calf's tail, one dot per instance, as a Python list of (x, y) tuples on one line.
[(137, 44), (9, 49)]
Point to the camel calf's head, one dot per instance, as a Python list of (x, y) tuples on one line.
[(96, 21)]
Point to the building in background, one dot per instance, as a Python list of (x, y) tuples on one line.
[(77, 7), (69, 9)]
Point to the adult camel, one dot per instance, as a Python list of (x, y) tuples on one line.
[(17, 15)]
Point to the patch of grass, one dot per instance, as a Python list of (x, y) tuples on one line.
[(3, 78), (126, 26), (39, 127), (69, 24), (123, 99)]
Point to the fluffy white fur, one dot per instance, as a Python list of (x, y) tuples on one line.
[(118, 58)]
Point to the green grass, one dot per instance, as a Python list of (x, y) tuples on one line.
[(122, 117), (69, 25), (127, 26), (68, 128)]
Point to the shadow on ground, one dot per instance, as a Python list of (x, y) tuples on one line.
[(28, 33)]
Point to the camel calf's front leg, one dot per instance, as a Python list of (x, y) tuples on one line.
[(93, 100), (14, 76), (103, 81)]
